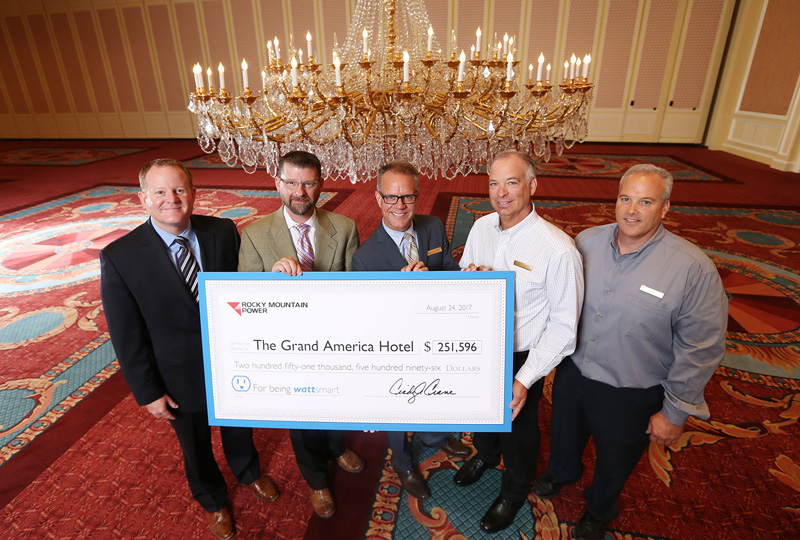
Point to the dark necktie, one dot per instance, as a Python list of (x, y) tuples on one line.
[(187, 264), (304, 250)]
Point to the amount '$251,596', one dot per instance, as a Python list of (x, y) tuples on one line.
[(453, 347)]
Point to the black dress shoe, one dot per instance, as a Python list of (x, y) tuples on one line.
[(590, 528), (414, 484), (500, 515), (546, 487), (455, 448), (471, 472)]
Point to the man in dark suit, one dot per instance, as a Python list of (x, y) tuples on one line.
[(296, 237), (149, 290), (407, 242)]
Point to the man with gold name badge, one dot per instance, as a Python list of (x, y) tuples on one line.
[(548, 283), (407, 242), (300, 237)]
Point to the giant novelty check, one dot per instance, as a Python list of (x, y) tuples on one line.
[(408, 351)]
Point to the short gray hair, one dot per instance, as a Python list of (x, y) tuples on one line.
[(530, 170), (644, 169), (163, 162), (401, 167)]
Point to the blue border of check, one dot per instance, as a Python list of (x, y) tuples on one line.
[(362, 276)]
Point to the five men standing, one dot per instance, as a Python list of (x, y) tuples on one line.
[(652, 328)]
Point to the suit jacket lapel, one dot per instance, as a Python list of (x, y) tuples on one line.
[(388, 249), (207, 247), (422, 236), (325, 244), (280, 237)]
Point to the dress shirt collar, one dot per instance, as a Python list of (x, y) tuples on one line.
[(291, 223), (520, 227), (169, 238), (653, 240), (397, 236)]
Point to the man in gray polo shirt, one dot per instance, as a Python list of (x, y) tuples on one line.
[(651, 335)]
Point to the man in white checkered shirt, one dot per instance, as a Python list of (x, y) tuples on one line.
[(548, 297)]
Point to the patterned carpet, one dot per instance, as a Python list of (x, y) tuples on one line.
[(737, 475)]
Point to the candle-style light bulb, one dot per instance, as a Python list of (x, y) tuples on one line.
[(277, 50), (478, 41), (430, 38), (365, 40), (406, 58), (510, 68), (198, 78), (245, 82), (221, 71), (337, 64), (586, 60), (308, 46), (539, 70), (294, 72), (462, 58), (572, 66), (210, 79)]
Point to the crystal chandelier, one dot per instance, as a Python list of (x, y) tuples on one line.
[(390, 94)]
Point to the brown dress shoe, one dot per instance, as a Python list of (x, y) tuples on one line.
[(221, 524), (322, 503), (455, 448), (414, 484), (350, 462), (264, 488)]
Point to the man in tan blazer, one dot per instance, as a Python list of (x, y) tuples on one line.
[(296, 237)]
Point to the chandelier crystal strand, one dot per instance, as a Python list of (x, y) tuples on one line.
[(390, 93)]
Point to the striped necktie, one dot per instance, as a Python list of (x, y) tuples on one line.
[(304, 250), (412, 253), (187, 264)]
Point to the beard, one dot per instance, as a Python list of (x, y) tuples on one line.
[(299, 206)]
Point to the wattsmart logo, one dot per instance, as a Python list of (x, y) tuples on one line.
[(248, 307)]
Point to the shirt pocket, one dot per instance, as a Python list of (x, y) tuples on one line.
[(643, 319), (527, 284)]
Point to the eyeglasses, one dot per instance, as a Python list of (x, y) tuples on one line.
[(294, 184), (392, 199)]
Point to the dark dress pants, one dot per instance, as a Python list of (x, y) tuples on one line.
[(205, 479), (520, 448), (615, 418), (312, 450), (401, 447)]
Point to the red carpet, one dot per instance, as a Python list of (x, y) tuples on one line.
[(80, 460)]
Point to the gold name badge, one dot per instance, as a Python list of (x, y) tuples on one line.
[(434, 251), (523, 265)]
